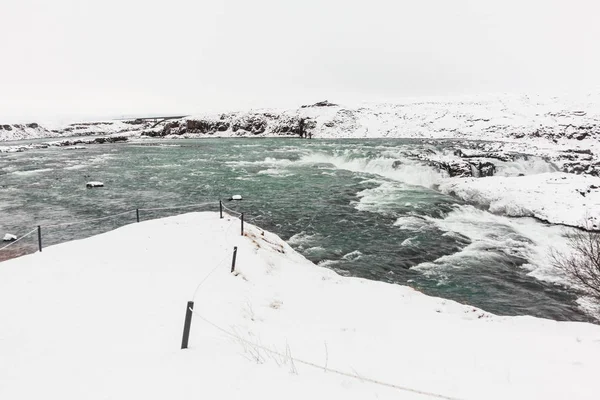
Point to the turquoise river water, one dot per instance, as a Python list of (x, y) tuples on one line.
[(338, 202)]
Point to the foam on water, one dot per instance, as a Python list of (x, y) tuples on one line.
[(524, 238), (316, 251), (353, 256), (275, 172), (378, 199), (32, 171), (302, 239), (269, 161), (524, 166), (410, 173), (75, 167), (409, 242), (411, 223)]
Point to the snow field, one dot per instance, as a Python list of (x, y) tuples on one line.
[(103, 317)]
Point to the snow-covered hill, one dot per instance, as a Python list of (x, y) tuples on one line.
[(530, 124), (478, 117), (9, 132), (103, 317)]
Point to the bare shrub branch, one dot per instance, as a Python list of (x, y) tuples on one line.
[(582, 265)]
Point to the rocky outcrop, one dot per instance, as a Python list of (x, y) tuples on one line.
[(9, 237), (588, 168), (64, 143), (323, 103), (484, 154), (251, 123), (457, 168), (239, 124)]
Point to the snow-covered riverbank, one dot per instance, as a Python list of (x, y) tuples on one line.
[(103, 317), (562, 134), (557, 198)]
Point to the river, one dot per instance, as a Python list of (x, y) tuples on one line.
[(340, 203)]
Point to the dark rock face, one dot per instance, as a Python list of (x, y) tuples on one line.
[(253, 123), (581, 167), (137, 121), (33, 125), (486, 169), (323, 103), (568, 131), (151, 133), (204, 126), (293, 126), (112, 139), (485, 154), (453, 168), (456, 168), (7, 127), (580, 161), (462, 169), (99, 140), (241, 124)]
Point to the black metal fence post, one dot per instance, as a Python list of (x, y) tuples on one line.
[(242, 218), (187, 325), (40, 238), (137, 214), (221, 208), (234, 257)]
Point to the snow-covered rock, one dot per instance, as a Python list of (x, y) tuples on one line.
[(110, 326), (68, 144), (94, 184), (558, 198), (9, 237)]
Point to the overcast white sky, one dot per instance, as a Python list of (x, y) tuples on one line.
[(115, 57)]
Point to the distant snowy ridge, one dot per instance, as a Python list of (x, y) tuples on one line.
[(34, 130), (479, 117)]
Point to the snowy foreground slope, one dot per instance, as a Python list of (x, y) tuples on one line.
[(102, 318)]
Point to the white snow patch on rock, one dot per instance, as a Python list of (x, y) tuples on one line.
[(558, 198), (9, 237), (94, 184)]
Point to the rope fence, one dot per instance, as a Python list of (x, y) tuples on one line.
[(218, 264), (108, 217), (17, 240), (87, 221), (175, 207), (321, 367), (283, 356), (232, 212), (190, 306)]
